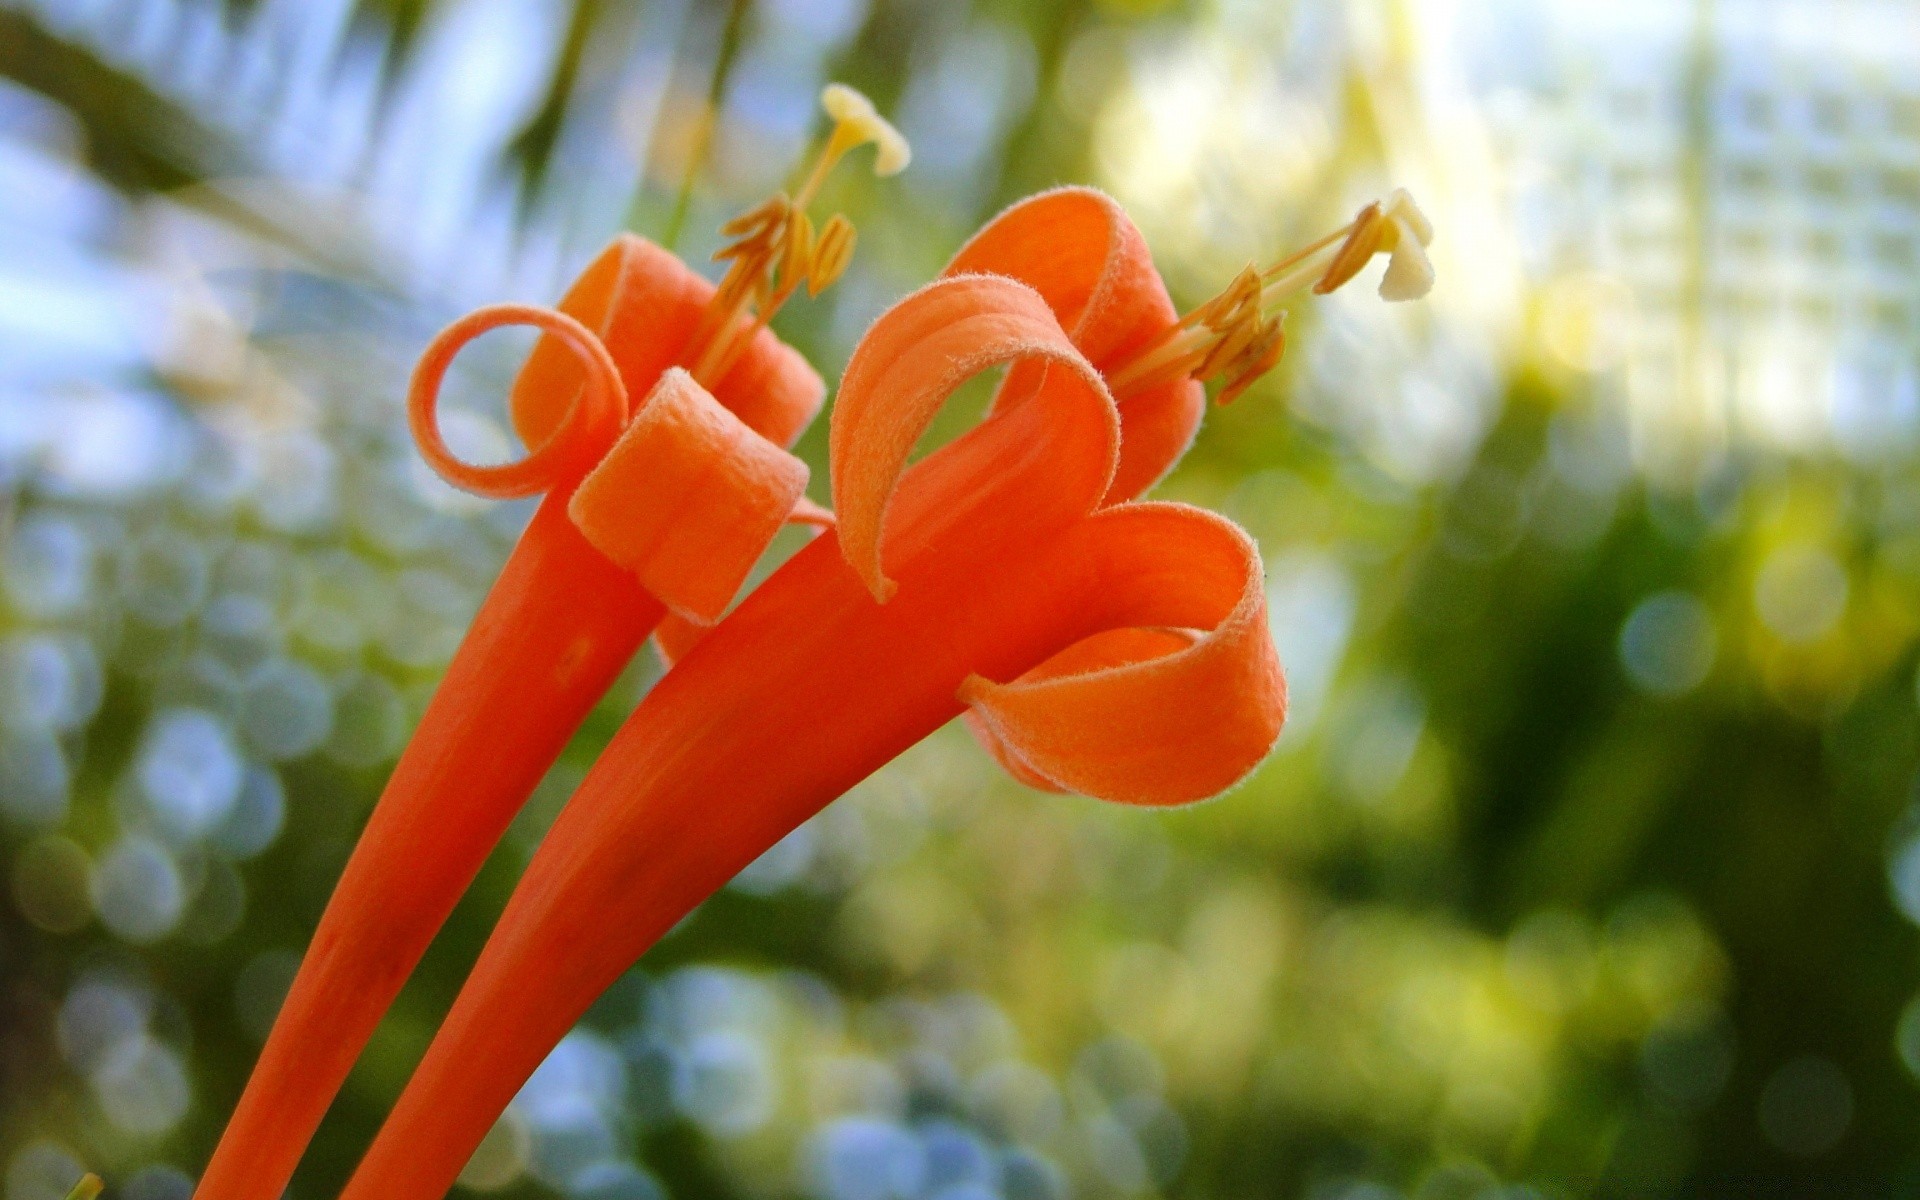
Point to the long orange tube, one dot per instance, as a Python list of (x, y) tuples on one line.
[(998, 557), (806, 689), (484, 742), (557, 628)]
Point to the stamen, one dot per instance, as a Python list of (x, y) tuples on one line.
[(1233, 338), (831, 254), (775, 249), (89, 1187)]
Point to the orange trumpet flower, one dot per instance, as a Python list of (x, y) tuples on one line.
[(1099, 644), (651, 508)]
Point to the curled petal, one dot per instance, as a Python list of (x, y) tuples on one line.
[(913, 358), (1078, 249), (676, 635), (688, 498), (1150, 718), (1111, 648), (644, 303), (564, 448)]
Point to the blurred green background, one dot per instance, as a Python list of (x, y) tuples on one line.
[(1587, 866)]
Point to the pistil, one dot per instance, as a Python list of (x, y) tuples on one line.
[(775, 248)]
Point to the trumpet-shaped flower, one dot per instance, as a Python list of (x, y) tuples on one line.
[(1099, 644), (651, 508)]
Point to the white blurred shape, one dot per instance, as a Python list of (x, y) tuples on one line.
[(617, 1181), (157, 1182), (1310, 610), (724, 1082), (697, 1000), (477, 71), (1800, 592), (48, 566), (286, 710), (114, 445), (583, 1065), (471, 438), (1026, 1175), (1381, 723), (860, 1158), (163, 576), (33, 120), (1906, 1037), (571, 1135), (48, 681), (137, 890), (781, 865), (81, 322), (501, 1157), (297, 482), (955, 111), (189, 772), (42, 1170), (34, 779), (49, 196), (1017, 1102), (823, 23), (99, 1013), (1668, 644), (1116, 1156), (956, 1158), (254, 821), (141, 1085)]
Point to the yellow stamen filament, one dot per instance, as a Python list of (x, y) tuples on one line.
[(1235, 339), (88, 1188), (775, 248)]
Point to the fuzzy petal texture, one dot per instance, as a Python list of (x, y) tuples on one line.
[(677, 634), (912, 359), (644, 303), (553, 634), (1081, 252), (985, 561), (595, 408), (688, 498), (1147, 715), (1110, 648)]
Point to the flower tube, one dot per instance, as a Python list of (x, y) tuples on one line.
[(650, 509), (1102, 645)]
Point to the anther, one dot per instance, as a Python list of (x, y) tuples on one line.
[(774, 248), (1232, 339)]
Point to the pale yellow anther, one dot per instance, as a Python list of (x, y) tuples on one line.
[(1230, 338), (831, 254), (773, 247), (857, 122), (1409, 271), (1400, 207), (1257, 359), (798, 252), (1396, 228)]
